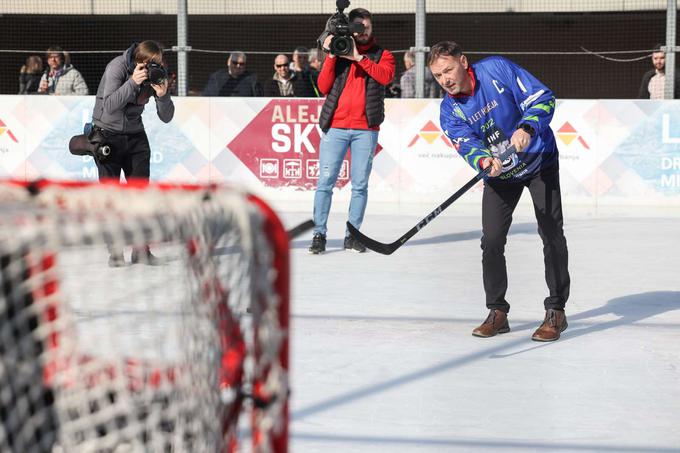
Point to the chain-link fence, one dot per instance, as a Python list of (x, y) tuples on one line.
[(581, 49)]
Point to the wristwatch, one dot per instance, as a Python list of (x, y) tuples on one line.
[(528, 129)]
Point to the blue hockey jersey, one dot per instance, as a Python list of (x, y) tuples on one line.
[(505, 95)]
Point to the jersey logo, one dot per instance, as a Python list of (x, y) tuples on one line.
[(458, 141), (499, 89)]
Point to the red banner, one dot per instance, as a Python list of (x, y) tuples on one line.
[(281, 145)]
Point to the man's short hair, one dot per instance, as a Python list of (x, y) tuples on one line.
[(444, 49), (360, 12), (301, 50)]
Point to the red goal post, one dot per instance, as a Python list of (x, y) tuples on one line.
[(143, 358)]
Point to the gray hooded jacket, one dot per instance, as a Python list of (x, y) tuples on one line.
[(120, 102)]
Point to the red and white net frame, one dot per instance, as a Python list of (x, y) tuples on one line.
[(233, 340)]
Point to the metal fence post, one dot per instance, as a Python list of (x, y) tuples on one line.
[(419, 52), (671, 17), (182, 30)]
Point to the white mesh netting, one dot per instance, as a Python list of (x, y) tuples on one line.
[(141, 358)]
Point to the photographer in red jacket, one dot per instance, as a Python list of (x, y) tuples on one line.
[(354, 83)]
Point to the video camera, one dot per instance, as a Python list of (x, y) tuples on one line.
[(342, 29), (157, 73)]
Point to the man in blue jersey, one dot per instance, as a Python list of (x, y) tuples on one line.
[(489, 106)]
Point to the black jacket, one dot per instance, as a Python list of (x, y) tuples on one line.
[(29, 83), (303, 86), (644, 86), (375, 93), (222, 84)]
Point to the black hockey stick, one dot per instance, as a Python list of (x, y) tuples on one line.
[(301, 228), (388, 249)]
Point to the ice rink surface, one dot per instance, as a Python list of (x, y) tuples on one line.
[(383, 359)]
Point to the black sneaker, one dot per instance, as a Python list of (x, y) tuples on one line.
[(116, 260), (318, 244), (144, 256), (354, 245)]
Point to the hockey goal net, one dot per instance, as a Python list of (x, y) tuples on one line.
[(187, 355)]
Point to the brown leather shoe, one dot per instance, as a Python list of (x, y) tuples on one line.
[(496, 322), (554, 324)]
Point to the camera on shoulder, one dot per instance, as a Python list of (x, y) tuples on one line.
[(342, 30), (157, 73)]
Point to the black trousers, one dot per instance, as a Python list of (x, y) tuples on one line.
[(131, 154), (498, 204)]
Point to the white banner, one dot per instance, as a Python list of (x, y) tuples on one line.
[(612, 152)]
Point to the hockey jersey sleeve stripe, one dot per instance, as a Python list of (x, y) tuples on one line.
[(475, 155), (472, 151), (547, 108), (475, 162)]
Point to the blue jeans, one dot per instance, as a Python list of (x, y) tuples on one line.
[(332, 151)]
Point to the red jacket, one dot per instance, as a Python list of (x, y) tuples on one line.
[(351, 110)]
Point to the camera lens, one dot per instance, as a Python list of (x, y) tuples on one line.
[(341, 45)]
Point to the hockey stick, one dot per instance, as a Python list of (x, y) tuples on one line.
[(388, 249), (301, 228)]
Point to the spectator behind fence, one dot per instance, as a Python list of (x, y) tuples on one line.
[(235, 80), (408, 80), (654, 80), (315, 59), (304, 71), (286, 83), (30, 75), (61, 78), (300, 67), (350, 117)]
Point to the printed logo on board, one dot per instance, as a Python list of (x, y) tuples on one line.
[(292, 168), (281, 145), (567, 134), (6, 131), (269, 168), (430, 133), (313, 170)]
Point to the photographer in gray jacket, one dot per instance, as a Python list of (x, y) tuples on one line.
[(128, 83)]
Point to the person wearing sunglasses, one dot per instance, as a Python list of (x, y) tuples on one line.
[(287, 83), (234, 80)]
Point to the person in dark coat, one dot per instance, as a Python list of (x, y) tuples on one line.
[(235, 80), (286, 83)]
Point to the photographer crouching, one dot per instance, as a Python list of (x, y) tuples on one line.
[(354, 76), (117, 139)]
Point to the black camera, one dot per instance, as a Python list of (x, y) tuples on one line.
[(342, 29), (157, 73)]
